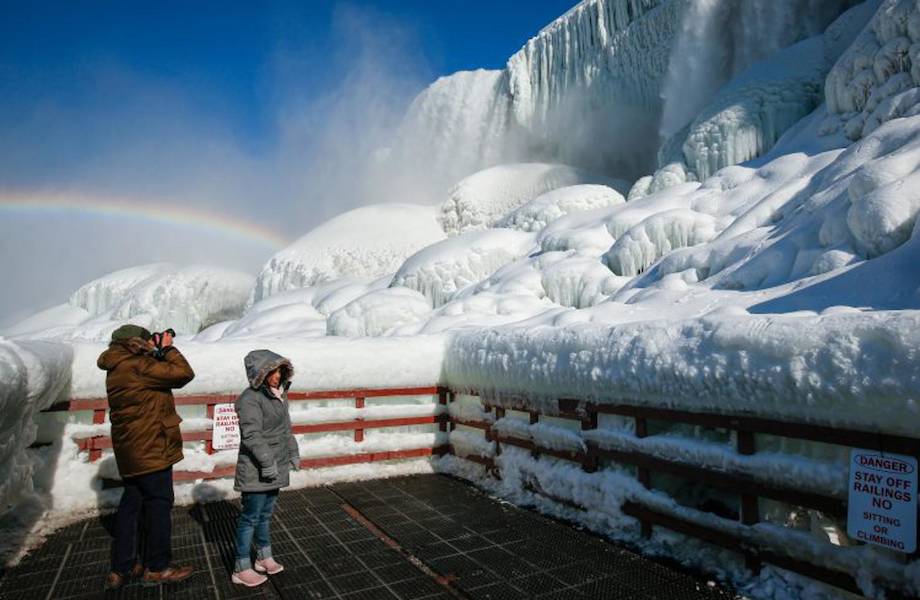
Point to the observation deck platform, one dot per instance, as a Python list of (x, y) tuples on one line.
[(415, 537)]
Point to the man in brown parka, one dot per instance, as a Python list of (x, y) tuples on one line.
[(147, 443)]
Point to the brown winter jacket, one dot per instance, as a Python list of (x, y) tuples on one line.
[(145, 425)]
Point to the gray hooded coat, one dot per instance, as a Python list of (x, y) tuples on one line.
[(265, 425)]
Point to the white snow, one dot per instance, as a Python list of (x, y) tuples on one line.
[(156, 296), (330, 363), (366, 242), (378, 312), (548, 207), (876, 79), (441, 270), (481, 200)]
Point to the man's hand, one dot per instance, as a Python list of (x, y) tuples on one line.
[(167, 339), (295, 464)]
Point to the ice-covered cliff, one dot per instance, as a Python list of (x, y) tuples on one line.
[(604, 85)]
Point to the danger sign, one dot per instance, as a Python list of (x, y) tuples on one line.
[(883, 499), (226, 433)]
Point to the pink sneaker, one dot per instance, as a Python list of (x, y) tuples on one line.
[(268, 565), (249, 578)]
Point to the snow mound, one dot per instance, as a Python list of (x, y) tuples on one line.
[(187, 299), (33, 375), (652, 238), (157, 296), (441, 270), (105, 293), (482, 199), (877, 78), (579, 282), (796, 368), (884, 201), (287, 321), (546, 208), (378, 312), (366, 242)]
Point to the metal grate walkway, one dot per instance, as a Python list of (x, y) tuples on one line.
[(417, 537)]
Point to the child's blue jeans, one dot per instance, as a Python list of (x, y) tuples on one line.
[(253, 526)]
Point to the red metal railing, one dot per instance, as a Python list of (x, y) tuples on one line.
[(749, 489), (95, 444), (594, 456)]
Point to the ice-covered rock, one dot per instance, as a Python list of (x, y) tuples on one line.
[(748, 116), (378, 312), (659, 234), (546, 208), (877, 77), (366, 242), (33, 375), (187, 299), (481, 200), (579, 282), (442, 269), (884, 201)]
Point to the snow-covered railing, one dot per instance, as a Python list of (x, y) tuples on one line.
[(96, 444), (582, 445)]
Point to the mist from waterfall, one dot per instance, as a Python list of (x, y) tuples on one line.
[(719, 39)]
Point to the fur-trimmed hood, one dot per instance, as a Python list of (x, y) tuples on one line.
[(259, 363)]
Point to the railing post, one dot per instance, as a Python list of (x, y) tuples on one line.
[(587, 424), (98, 419), (642, 474), (534, 419), (443, 400), (499, 414), (359, 433), (209, 444), (750, 511)]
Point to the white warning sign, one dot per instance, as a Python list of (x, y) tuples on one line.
[(882, 507), (226, 433)]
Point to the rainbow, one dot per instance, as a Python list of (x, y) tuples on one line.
[(144, 209)]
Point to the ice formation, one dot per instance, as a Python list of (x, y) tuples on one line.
[(33, 375), (646, 242), (365, 242), (442, 269), (378, 312), (157, 296), (481, 200), (546, 208), (877, 78)]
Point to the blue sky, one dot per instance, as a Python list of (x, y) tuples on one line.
[(220, 106), (231, 64)]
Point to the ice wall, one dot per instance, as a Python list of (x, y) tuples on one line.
[(878, 77), (33, 375), (597, 86)]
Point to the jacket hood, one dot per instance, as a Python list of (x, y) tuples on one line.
[(120, 350), (259, 363)]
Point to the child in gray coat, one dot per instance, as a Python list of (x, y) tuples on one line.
[(268, 451)]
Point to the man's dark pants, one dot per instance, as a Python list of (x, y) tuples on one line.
[(153, 493)]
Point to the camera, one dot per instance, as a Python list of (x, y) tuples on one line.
[(157, 337)]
